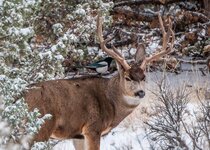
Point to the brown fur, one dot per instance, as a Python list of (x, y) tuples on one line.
[(82, 106)]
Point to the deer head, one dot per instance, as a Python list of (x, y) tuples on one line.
[(132, 77)]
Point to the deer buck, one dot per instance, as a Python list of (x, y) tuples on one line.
[(90, 107)]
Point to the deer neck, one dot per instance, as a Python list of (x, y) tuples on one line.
[(124, 104)]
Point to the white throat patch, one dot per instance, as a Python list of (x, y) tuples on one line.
[(134, 101)]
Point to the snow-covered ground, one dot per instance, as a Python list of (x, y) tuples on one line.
[(130, 134)]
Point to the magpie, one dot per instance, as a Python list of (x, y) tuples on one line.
[(101, 66)]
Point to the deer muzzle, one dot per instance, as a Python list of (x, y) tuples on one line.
[(140, 93)]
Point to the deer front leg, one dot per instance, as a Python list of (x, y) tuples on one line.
[(92, 140)]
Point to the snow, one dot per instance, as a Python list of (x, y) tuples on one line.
[(59, 57), (123, 138), (92, 50), (80, 52), (3, 77), (25, 32), (57, 28), (61, 45), (133, 51), (47, 55), (57, 25), (65, 37), (73, 38), (66, 145), (12, 31), (53, 48), (202, 32), (1, 2), (80, 12), (39, 76)]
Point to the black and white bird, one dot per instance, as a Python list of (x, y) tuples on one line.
[(101, 66)]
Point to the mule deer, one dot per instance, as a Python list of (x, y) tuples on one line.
[(90, 107)]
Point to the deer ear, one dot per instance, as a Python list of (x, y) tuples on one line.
[(120, 69), (140, 53)]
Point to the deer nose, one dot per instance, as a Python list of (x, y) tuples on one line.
[(140, 93)]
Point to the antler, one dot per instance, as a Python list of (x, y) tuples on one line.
[(165, 50), (112, 52)]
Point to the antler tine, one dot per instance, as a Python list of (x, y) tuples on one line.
[(116, 51), (111, 52), (172, 34), (165, 50)]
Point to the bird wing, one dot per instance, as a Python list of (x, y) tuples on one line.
[(96, 65)]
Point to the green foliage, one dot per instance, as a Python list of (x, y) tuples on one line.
[(35, 36)]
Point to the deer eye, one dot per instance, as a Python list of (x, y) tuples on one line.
[(143, 78), (127, 79)]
